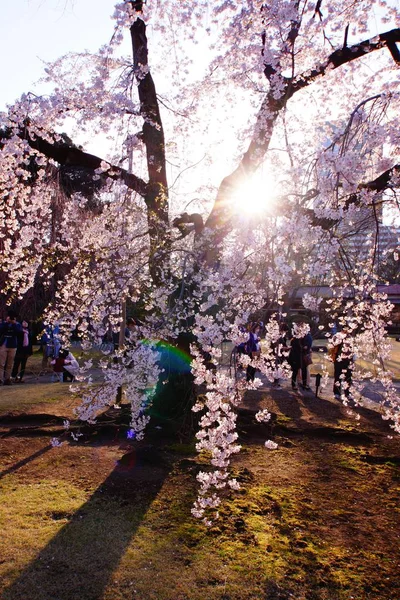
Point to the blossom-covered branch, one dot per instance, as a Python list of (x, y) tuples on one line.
[(75, 158), (347, 54), (281, 89)]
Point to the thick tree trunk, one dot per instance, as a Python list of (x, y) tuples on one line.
[(156, 197)]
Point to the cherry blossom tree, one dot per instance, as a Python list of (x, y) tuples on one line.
[(305, 93)]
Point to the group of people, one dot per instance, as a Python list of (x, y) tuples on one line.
[(297, 350), (16, 348), (50, 344)]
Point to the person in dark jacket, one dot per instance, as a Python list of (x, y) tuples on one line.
[(295, 359), (24, 351), (253, 350), (300, 354), (59, 364), (306, 360), (9, 332)]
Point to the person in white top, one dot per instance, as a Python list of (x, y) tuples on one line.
[(71, 367)]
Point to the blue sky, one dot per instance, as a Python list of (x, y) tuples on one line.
[(33, 31)]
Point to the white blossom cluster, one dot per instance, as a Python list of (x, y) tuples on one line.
[(300, 330), (217, 435), (136, 373), (311, 303), (263, 416), (270, 445), (102, 250)]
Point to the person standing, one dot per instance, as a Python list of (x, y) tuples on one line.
[(300, 354), (45, 347), (24, 351), (253, 350), (9, 332), (306, 360), (295, 359)]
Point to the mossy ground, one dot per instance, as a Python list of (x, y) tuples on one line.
[(316, 519)]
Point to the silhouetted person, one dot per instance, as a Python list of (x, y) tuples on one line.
[(9, 332)]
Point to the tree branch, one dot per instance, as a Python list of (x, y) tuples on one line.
[(71, 156), (347, 54), (378, 185)]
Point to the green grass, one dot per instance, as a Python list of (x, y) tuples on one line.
[(313, 519), (19, 398), (70, 532), (35, 391)]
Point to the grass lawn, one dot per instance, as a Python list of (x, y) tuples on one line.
[(107, 519), (35, 391)]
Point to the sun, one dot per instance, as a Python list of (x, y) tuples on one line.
[(255, 196)]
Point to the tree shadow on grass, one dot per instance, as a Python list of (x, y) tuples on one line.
[(79, 561), (25, 461), (309, 413)]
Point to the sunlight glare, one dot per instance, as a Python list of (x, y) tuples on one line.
[(255, 196)]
